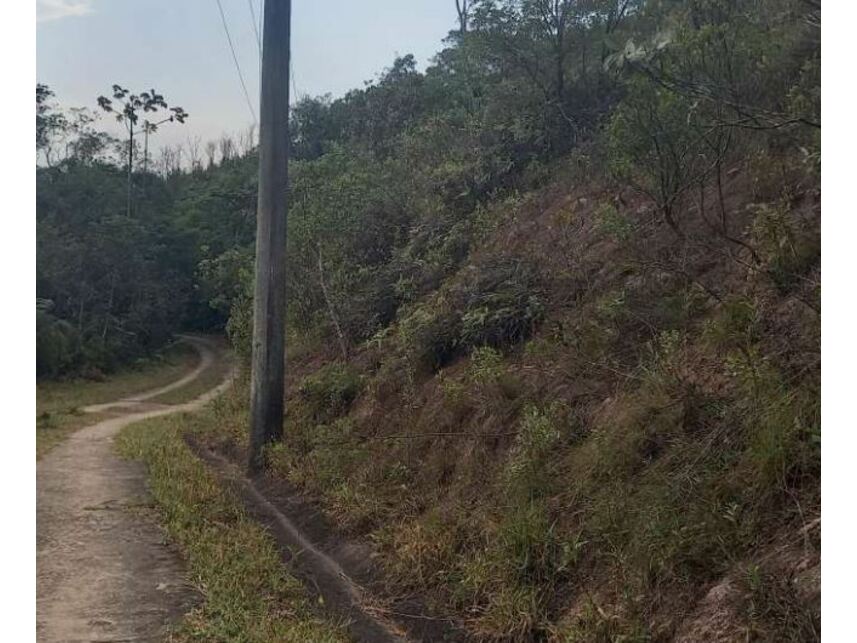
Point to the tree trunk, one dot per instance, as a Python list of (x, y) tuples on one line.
[(109, 308), (462, 8), (130, 163)]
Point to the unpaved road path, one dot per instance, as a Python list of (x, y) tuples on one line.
[(105, 573)]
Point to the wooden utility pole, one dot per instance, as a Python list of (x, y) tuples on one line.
[(269, 307)]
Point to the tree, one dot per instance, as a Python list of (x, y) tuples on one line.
[(741, 58), (531, 42), (48, 121), (211, 153), (67, 134), (247, 139), (462, 7), (657, 144), (193, 148), (552, 18), (128, 113), (227, 148)]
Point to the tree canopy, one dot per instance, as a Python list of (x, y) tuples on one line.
[(389, 180)]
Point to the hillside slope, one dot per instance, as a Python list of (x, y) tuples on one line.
[(595, 428), (553, 314)]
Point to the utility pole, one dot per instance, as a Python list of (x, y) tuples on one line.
[(269, 305)]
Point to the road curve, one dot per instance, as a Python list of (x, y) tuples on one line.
[(105, 572), (207, 357)]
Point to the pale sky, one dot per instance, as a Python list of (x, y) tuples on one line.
[(179, 48)]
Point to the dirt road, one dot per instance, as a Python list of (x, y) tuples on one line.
[(105, 572)]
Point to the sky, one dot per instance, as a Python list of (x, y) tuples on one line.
[(179, 48)]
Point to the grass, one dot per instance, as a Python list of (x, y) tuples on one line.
[(686, 471), (207, 380), (774, 611), (593, 485), (59, 404), (248, 594)]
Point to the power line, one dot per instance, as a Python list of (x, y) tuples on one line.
[(257, 31), (235, 59), (294, 85), (255, 28), (261, 21)]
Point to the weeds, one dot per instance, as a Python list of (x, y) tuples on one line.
[(538, 434), (593, 625), (788, 256), (248, 594), (539, 498), (774, 611), (329, 392), (613, 223), (486, 365)]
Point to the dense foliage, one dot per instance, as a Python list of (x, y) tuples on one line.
[(388, 182), (554, 310)]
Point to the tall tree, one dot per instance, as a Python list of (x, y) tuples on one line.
[(128, 112)]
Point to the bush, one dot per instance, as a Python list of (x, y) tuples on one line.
[(498, 304), (486, 365), (239, 328), (432, 336), (502, 304), (654, 145), (613, 223), (330, 391), (370, 305), (55, 344), (787, 254)]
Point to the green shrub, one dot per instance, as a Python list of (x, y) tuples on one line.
[(432, 337), (538, 435), (612, 306), (454, 390), (56, 341), (501, 304), (735, 326), (239, 328), (788, 255), (371, 304), (486, 365), (329, 392), (613, 223), (497, 304)]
